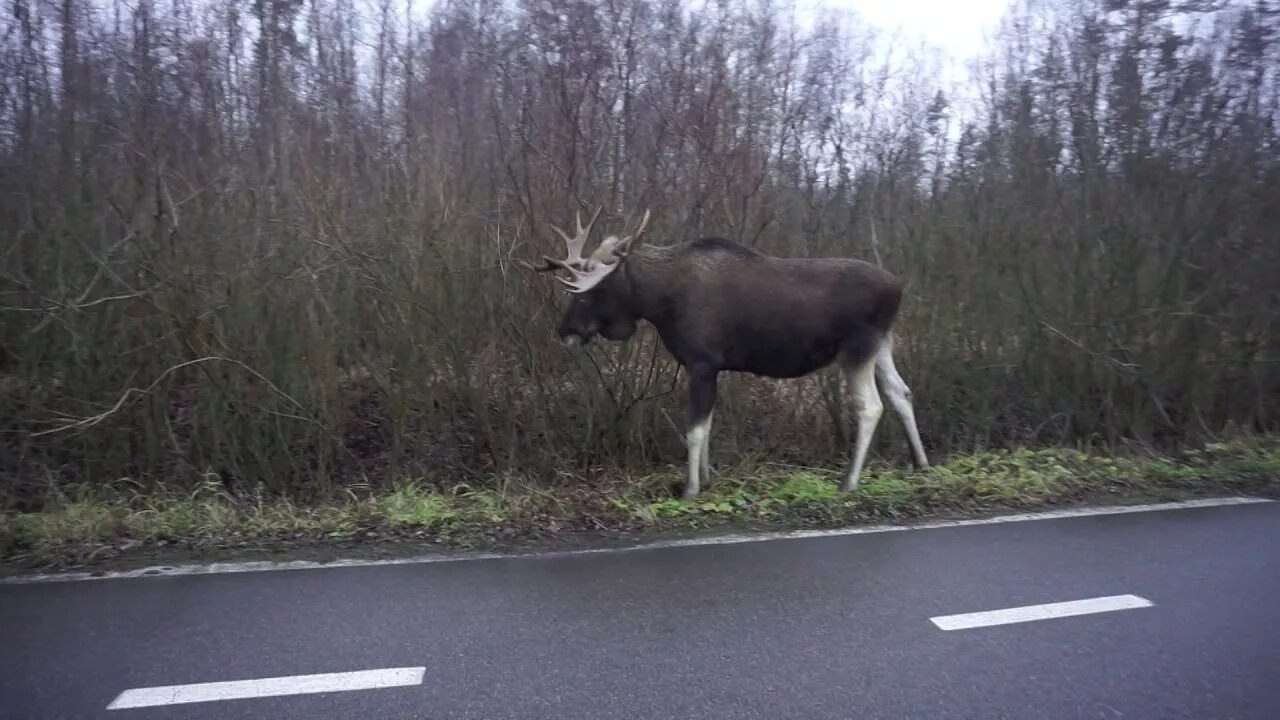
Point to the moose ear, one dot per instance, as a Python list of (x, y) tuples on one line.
[(614, 249)]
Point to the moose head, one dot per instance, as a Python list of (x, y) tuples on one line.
[(594, 309)]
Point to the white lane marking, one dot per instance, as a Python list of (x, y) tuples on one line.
[(727, 539), (267, 687), (1047, 611)]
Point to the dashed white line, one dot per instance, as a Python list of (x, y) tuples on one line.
[(1047, 611), (267, 687)]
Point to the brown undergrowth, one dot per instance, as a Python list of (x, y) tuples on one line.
[(99, 527)]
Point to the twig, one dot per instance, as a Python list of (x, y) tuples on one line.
[(74, 306), (1127, 366), (89, 422)]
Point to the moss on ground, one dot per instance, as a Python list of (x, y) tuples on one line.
[(92, 526)]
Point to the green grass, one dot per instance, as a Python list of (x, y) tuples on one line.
[(410, 505), (85, 525), (1022, 478)]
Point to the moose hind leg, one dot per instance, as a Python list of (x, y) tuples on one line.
[(900, 397), (702, 400), (869, 408)]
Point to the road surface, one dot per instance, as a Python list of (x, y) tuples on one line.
[(1169, 614)]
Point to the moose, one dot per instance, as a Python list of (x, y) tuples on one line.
[(719, 306)]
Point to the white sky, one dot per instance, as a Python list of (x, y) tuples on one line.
[(956, 31), (956, 27), (959, 28)]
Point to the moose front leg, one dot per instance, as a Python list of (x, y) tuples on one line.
[(702, 401), (705, 462)]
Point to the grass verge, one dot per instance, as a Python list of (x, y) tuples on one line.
[(104, 527)]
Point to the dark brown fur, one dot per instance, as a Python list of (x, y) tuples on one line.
[(719, 306)]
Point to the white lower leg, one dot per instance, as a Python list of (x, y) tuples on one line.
[(697, 441), (705, 460), (869, 407), (900, 398)]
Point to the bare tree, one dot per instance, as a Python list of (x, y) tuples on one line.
[(329, 198)]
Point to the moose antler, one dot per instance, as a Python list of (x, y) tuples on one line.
[(573, 246), (604, 260)]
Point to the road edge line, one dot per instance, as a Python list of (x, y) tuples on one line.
[(726, 539)]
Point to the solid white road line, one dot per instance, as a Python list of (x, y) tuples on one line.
[(1047, 611), (267, 687), (727, 539)]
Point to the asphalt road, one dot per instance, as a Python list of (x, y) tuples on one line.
[(829, 627)]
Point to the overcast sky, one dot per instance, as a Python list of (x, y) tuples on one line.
[(957, 27)]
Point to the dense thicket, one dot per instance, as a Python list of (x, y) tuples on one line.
[(276, 240)]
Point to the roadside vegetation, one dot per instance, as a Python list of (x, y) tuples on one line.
[(95, 524), (259, 278)]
